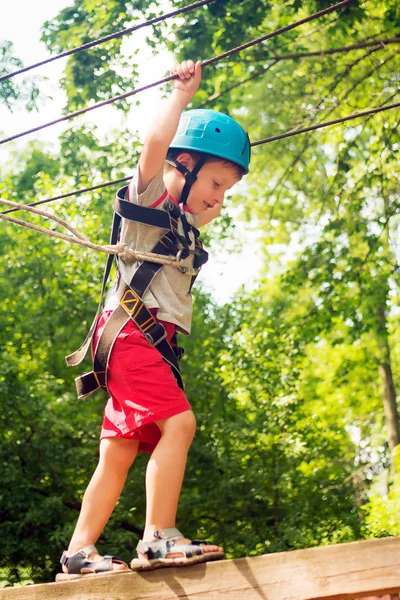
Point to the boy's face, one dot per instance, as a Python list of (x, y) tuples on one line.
[(214, 179)]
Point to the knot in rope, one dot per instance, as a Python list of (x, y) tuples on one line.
[(125, 253)]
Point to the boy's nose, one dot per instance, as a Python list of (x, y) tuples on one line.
[(218, 198)]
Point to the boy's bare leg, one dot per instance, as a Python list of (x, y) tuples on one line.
[(102, 493), (164, 476)]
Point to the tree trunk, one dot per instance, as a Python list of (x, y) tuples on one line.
[(388, 387), (390, 404)]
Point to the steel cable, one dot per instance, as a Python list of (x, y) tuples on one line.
[(364, 113), (107, 38), (253, 144), (209, 61)]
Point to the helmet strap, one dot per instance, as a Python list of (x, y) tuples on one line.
[(190, 176)]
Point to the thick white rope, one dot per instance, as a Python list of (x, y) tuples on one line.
[(122, 250), (43, 213)]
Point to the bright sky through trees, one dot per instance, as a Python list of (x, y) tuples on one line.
[(221, 273)]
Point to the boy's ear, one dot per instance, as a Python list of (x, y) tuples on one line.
[(186, 160)]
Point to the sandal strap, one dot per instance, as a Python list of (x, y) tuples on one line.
[(188, 550), (171, 533), (161, 547), (198, 542), (166, 534), (89, 549), (78, 562)]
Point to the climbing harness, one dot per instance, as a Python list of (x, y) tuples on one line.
[(130, 294), (211, 134)]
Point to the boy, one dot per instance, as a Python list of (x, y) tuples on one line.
[(192, 160)]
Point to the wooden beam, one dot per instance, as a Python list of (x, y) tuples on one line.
[(355, 570)]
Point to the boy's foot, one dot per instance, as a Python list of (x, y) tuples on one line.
[(184, 542), (88, 561), (170, 549)]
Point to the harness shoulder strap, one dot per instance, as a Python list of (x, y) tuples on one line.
[(130, 294), (77, 357), (131, 307)]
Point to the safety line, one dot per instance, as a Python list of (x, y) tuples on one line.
[(171, 77), (364, 113), (258, 143), (263, 38), (107, 38), (76, 193), (321, 53), (121, 249)]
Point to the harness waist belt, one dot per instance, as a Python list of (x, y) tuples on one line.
[(131, 305)]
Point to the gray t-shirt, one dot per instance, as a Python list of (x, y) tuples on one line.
[(169, 291)]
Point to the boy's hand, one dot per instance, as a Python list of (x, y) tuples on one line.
[(164, 126), (189, 74)]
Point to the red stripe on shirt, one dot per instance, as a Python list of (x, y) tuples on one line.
[(157, 202)]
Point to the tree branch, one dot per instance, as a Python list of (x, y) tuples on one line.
[(262, 71), (342, 75), (377, 44)]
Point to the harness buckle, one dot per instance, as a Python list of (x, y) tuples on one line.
[(153, 339), (193, 271), (100, 377), (179, 255)]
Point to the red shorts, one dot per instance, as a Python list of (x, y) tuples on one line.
[(142, 387)]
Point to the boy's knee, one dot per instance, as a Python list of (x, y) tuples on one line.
[(120, 453), (189, 424), (183, 425)]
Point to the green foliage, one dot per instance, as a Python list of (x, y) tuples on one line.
[(276, 460), (292, 446), (383, 507), (48, 290), (11, 93), (100, 72)]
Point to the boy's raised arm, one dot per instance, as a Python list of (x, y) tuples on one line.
[(163, 128)]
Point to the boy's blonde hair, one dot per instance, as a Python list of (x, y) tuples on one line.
[(173, 153)]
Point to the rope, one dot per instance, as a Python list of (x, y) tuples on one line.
[(258, 143), (106, 38), (74, 193), (42, 213), (263, 38), (122, 250), (364, 113), (382, 43), (171, 77)]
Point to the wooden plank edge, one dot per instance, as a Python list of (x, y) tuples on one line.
[(353, 570)]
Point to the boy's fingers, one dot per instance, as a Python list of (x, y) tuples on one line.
[(179, 71), (187, 69), (197, 71)]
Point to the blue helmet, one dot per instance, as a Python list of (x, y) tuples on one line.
[(213, 133)]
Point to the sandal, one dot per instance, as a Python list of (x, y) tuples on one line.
[(165, 544), (79, 565)]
